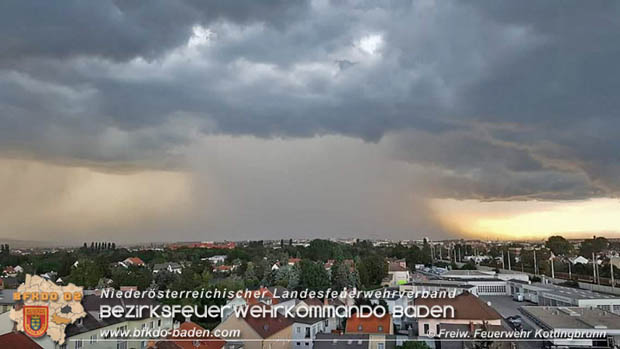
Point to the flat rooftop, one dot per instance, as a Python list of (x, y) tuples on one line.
[(574, 293), (468, 273), (573, 318)]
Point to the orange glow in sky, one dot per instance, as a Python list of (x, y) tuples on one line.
[(531, 220)]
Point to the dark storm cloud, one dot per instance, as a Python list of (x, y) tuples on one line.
[(120, 29), (499, 100)]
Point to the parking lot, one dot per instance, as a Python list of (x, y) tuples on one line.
[(506, 307)]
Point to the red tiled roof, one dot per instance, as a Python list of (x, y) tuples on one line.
[(466, 307), (266, 292), (268, 326), (370, 324), (136, 260), (202, 342), (17, 340)]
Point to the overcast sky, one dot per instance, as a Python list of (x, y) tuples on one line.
[(213, 120)]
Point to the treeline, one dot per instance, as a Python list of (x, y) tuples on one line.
[(98, 246)]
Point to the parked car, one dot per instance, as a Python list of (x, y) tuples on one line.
[(515, 322)]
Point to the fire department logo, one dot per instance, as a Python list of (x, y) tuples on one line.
[(47, 308), (35, 320)]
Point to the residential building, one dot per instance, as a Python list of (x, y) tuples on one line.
[(341, 341), (18, 340), (6, 300), (369, 325), (331, 324), (293, 261), (305, 331), (170, 267), (579, 260), (10, 271), (395, 299), (468, 309), (217, 259), (398, 273), (132, 261), (192, 342), (259, 333), (86, 331)]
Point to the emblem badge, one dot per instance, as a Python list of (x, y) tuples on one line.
[(35, 320)]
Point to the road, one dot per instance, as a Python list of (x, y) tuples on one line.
[(506, 307)]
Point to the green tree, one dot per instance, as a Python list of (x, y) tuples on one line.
[(594, 245), (132, 276), (340, 275), (313, 275), (87, 273), (559, 245), (372, 270), (250, 276)]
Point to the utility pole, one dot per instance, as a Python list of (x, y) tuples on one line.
[(503, 265), (509, 267), (593, 269), (535, 266), (611, 265), (570, 273), (552, 269)]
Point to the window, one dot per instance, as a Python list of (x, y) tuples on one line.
[(93, 339), (159, 323), (121, 345), (78, 344), (298, 343), (380, 345), (427, 327), (326, 323), (298, 329)]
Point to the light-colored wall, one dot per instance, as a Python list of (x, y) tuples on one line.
[(374, 340), (249, 337), (299, 334), (280, 340), (98, 343), (434, 322)]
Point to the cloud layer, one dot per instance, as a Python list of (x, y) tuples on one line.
[(497, 100)]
